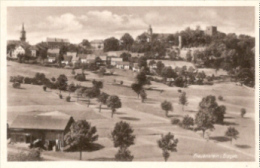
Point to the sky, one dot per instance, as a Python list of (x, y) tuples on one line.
[(78, 23)]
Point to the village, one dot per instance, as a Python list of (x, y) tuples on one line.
[(148, 96)]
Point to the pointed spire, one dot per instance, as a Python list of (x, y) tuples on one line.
[(23, 27)]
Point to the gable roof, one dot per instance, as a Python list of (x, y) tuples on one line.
[(67, 58), (91, 57), (82, 56), (46, 121), (96, 41), (53, 51), (57, 40), (123, 63)]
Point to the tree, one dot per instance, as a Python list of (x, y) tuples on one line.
[(141, 78), (136, 88), (62, 82), (143, 95), (160, 67), (232, 133), (81, 136), (188, 56), (85, 43), (183, 100), (102, 99), (111, 44), (168, 144), (123, 135), (123, 138), (71, 88), (127, 41), (142, 62), (92, 93), (243, 112), (204, 121), (168, 72), (113, 102), (187, 122), (124, 154), (166, 106), (97, 84), (209, 105), (102, 71), (126, 56)]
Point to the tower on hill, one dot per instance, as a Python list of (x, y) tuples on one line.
[(150, 33), (23, 34)]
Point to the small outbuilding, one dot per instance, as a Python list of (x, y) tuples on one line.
[(49, 128)]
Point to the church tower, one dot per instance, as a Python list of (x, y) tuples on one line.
[(23, 34), (150, 33)]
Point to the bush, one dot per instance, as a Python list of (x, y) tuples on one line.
[(121, 83), (243, 112), (175, 121), (27, 80), (220, 98), (187, 122), (124, 154), (179, 90), (18, 79), (44, 88), (60, 95), (16, 85), (68, 98), (80, 77)]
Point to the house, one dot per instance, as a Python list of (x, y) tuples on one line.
[(53, 54), (91, 58), (137, 55), (66, 60), (104, 59), (18, 50), (74, 57), (83, 58), (115, 61), (50, 128), (123, 65), (97, 44), (115, 53), (56, 42), (136, 67), (34, 51)]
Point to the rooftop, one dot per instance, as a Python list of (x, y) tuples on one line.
[(46, 121)]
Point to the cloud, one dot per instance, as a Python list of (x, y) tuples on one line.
[(65, 22), (101, 24)]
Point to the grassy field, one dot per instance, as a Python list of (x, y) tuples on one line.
[(148, 119)]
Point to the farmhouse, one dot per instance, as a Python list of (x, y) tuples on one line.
[(136, 67), (33, 50), (90, 58), (49, 128), (123, 65), (115, 61), (52, 54), (82, 58), (74, 57), (18, 50), (56, 42), (66, 60)]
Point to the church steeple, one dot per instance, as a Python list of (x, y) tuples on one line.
[(23, 34)]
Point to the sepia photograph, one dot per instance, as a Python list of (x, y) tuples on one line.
[(136, 83)]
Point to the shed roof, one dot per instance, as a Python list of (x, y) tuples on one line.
[(46, 121)]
